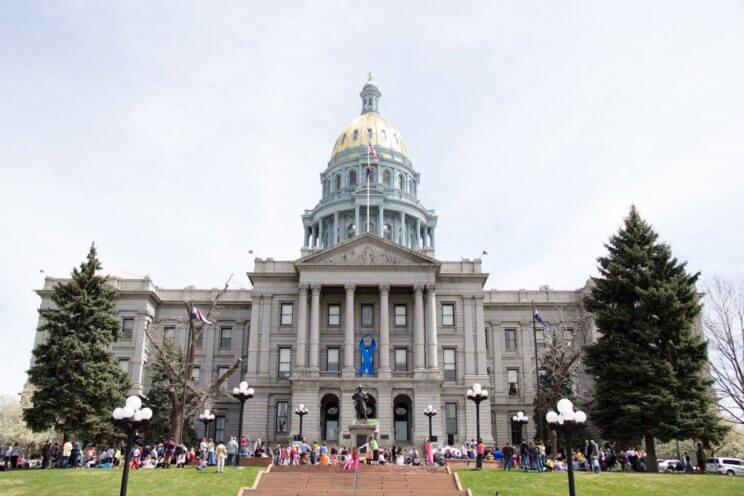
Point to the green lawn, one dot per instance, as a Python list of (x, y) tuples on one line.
[(514, 483), (106, 482)]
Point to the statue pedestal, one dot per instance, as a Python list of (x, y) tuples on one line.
[(361, 430)]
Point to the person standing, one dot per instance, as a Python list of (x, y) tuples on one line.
[(75, 454), (700, 455), (232, 451), (688, 464), (480, 450), (66, 452), (427, 452), (221, 452), (45, 454), (524, 455), (508, 453)]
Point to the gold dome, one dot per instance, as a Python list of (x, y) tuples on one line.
[(370, 128)]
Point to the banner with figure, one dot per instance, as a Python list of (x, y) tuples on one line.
[(367, 353)]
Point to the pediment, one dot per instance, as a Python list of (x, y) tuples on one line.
[(368, 249)]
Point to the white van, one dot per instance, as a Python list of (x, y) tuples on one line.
[(723, 465)]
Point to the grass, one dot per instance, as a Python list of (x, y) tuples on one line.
[(514, 483), (106, 482)]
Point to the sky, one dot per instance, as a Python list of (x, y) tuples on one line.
[(181, 135)]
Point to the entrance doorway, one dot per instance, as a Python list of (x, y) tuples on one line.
[(402, 419), (329, 417)]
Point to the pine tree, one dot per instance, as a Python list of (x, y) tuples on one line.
[(648, 365), (77, 381)]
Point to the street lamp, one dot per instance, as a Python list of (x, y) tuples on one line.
[(242, 394), (567, 421), (521, 420), (206, 417), (476, 395), (130, 418), (430, 411), (300, 411)]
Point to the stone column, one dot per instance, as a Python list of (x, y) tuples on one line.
[(356, 220), (418, 233), (480, 329), (469, 339), (315, 327), (302, 328), (431, 324), (264, 348), (320, 233), (418, 327), (252, 367), (433, 239), (381, 221), (334, 234), (348, 369), (402, 239), (384, 329)]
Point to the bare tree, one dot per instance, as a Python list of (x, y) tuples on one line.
[(724, 320), (185, 396)]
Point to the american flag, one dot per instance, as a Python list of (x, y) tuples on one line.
[(373, 156), (197, 314)]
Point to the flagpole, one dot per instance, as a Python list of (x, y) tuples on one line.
[(537, 373), (369, 171)]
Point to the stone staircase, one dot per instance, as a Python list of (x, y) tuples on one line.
[(370, 480)]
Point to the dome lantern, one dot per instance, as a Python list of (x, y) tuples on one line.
[(370, 96)]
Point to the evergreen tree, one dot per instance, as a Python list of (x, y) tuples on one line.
[(648, 365), (77, 382)]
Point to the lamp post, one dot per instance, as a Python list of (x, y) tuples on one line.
[(300, 411), (430, 411), (206, 417), (521, 420), (130, 418), (476, 395), (242, 393), (567, 421)]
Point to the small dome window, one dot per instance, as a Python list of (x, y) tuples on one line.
[(338, 182), (369, 132), (395, 135), (386, 177), (355, 135), (343, 138), (384, 134), (352, 178)]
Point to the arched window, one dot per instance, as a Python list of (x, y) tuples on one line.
[(386, 177), (402, 182), (329, 411), (355, 135), (402, 418), (352, 178), (338, 182), (410, 185)]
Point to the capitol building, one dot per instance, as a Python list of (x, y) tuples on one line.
[(367, 302)]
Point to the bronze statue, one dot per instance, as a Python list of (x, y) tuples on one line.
[(360, 403)]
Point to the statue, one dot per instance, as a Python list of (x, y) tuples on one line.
[(360, 403)]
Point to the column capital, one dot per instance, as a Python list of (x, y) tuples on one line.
[(302, 288), (350, 287), (431, 288), (418, 288), (384, 288), (315, 288)]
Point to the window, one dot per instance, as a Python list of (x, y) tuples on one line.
[(516, 430), (222, 370), (384, 134), (338, 182), (124, 364), (281, 417), (169, 333), (512, 380), (334, 315), (368, 314), (225, 338), (332, 355), (448, 314), (352, 178), (284, 363), (200, 339), (219, 428), (568, 335), (355, 135), (386, 177), (510, 339), (369, 129), (127, 328), (400, 315), (195, 374), (450, 363), (450, 412), (401, 359), (286, 316)]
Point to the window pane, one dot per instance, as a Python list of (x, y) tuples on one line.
[(368, 315), (286, 317), (400, 315), (195, 374), (448, 314), (401, 360), (512, 378), (334, 315), (219, 428), (169, 333), (284, 363), (332, 364), (450, 367), (225, 337), (281, 416), (127, 327), (451, 415), (510, 337)]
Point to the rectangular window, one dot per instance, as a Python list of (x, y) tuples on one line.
[(368, 314), (401, 359), (195, 374), (200, 339), (127, 328), (219, 429), (222, 370), (332, 355), (169, 333), (281, 417), (512, 380), (124, 364), (225, 338), (448, 314), (334, 315), (450, 412), (510, 339), (450, 364), (284, 363), (485, 333), (400, 316), (286, 316)]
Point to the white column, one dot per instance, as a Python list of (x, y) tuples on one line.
[(302, 327), (315, 327), (384, 328), (349, 330), (431, 324), (418, 233), (334, 234), (356, 220), (320, 233), (381, 221), (402, 239), (469, 339), (418, 327)]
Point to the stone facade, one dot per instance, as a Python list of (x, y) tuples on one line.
[(298, 330)]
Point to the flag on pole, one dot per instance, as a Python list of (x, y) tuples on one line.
[(197, 314), (371, 154), (537, 317)]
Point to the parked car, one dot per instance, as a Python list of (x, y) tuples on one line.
[(671, 466), (722, 465)]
